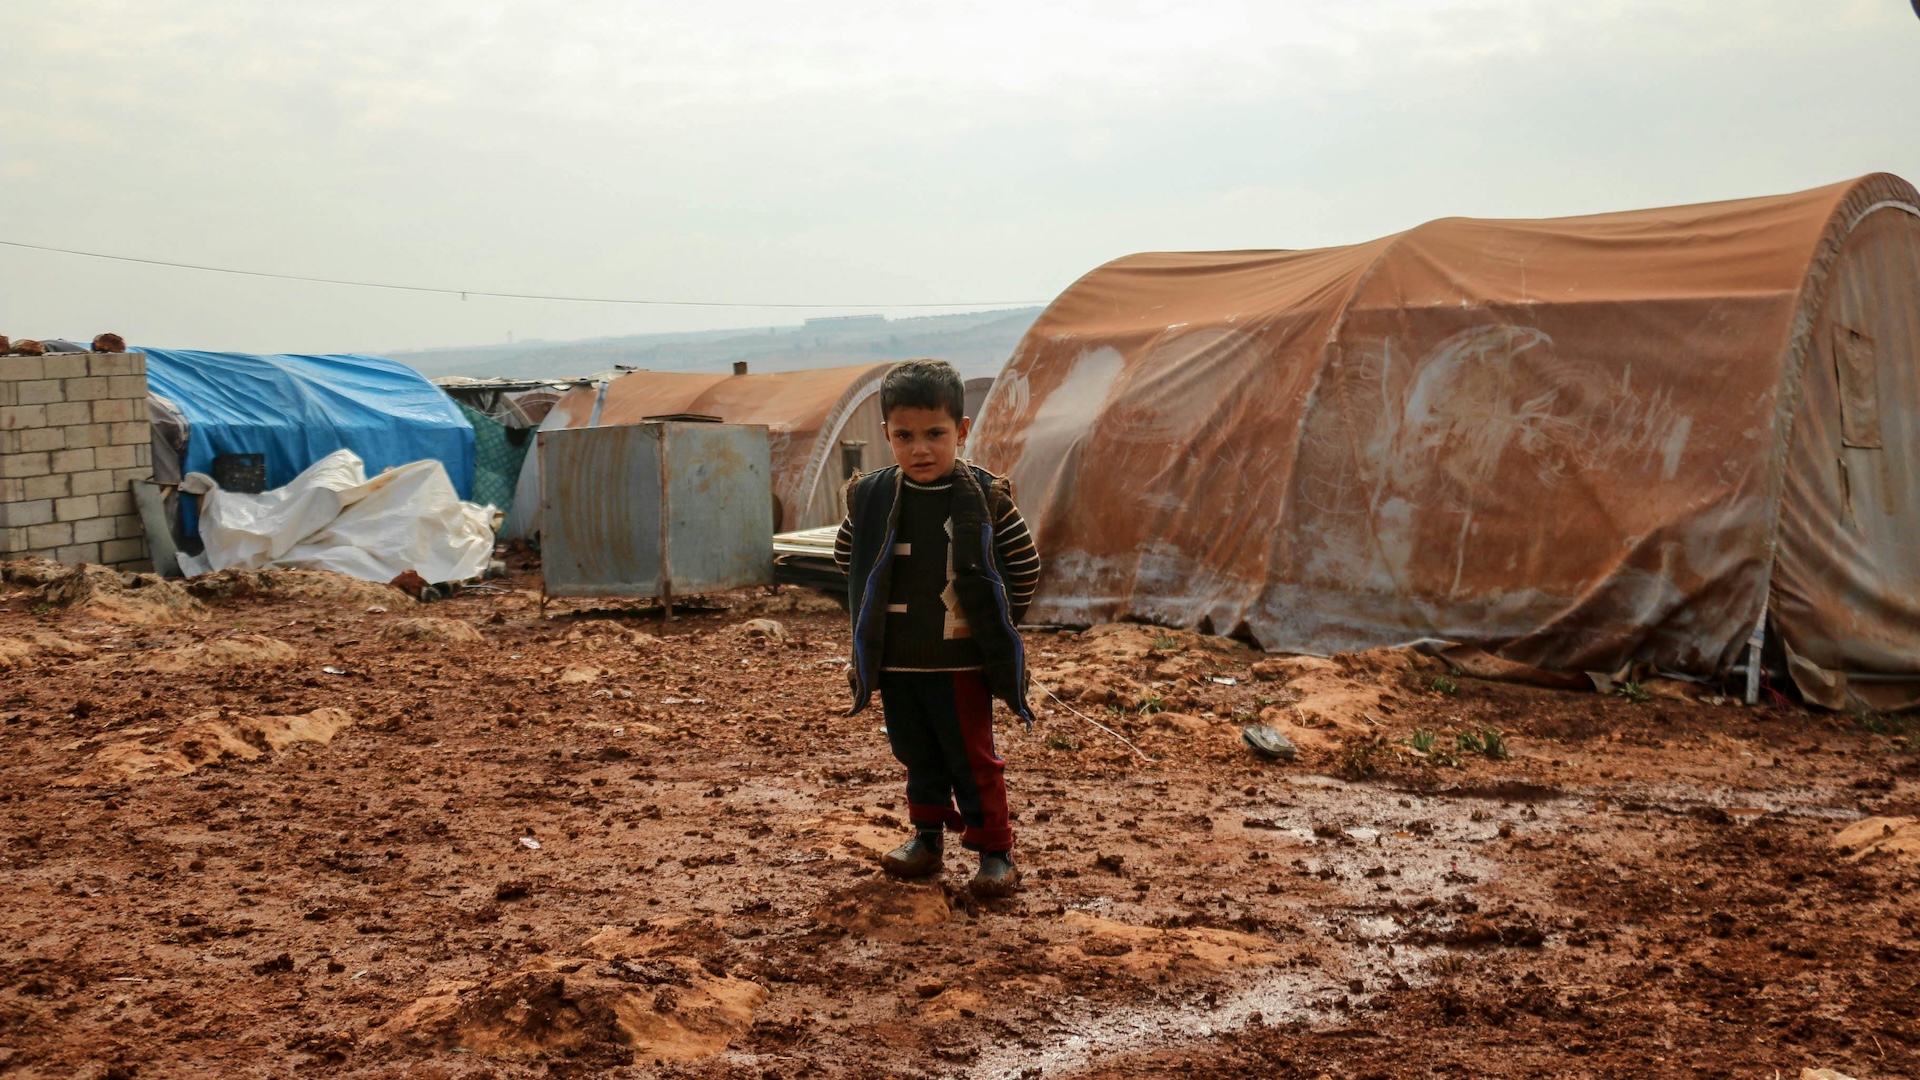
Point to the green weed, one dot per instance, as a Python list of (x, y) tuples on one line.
[(1485, 742), (1422, 740), (1164, 643), (1444, 684), (1633, 692)]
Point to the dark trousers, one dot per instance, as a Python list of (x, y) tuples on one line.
[(941, 726)]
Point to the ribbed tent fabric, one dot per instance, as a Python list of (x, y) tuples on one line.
[(1578, 442), (807, 414), (499, 452), (297, 409)]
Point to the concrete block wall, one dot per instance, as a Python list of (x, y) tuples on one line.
[(74, 431)]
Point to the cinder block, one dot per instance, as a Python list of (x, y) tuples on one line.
[(119, 551), (41, 391), (127, 434), (97, 482), (118, 363), (10, 441), (51, 486), (13, 490), (13, 541), (19, 515), (129, 526), (114, 457), (73, 461), (69, 413), (15, 417), (77, 508), (93, 530), (9, 394), (75, 554), (21, 368), (123, 477), (127, 387), (120, 502), (83, 435), (51, 535), (65, 365), (24, 465), (87, 389), (137, 566), (143, 454), (113, 412), (43, 438)]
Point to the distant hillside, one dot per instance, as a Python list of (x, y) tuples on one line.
[(978, 343)]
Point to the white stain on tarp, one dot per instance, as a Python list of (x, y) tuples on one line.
[(1062, 422)]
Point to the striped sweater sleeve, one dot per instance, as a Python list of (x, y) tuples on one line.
[(843, 546), (1021, 559)]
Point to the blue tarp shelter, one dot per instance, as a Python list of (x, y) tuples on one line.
[(295, 410)]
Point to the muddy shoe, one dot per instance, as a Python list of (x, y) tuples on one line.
[(997, 877), (917, 857)]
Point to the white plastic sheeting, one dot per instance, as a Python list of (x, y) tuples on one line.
[(332, 517)]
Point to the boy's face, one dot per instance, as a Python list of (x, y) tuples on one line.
[(925, 441)]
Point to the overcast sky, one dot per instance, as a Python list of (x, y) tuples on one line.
[(865, 153)]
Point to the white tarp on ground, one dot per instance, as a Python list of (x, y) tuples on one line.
[(331, 517)]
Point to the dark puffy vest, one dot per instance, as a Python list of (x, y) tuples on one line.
[(978, 579)]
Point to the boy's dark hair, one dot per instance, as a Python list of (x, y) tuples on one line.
[(924, 384)]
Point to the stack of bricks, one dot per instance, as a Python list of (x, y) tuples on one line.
[(74, 430)]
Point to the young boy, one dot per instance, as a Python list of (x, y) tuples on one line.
[(940, 568)]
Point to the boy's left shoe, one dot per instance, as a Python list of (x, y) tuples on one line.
[(997, 876)]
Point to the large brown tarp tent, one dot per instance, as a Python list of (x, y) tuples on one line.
[(1580, 442), (820, 421)]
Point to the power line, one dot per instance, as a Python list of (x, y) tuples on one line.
[(464, 293)]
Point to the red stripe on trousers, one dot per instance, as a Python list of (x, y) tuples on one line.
[(975, 706)]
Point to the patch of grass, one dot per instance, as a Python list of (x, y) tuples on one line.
[(1445, 684), (1363, 759), (42, 609), (1485, 742), (1164, 642), (1900, 726), (1151, 704), (1633, 692), (1422, 740)]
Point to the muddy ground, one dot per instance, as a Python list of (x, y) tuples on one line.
[(293, 826)]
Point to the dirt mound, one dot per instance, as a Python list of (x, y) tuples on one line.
[(883, 904), (30, 643), (238, 650), (236, 583), (429, 629), (794, 599), (1148, 950), (1897, 838), (770, 631), (134, 599), (677, 935), (610, 1012), (594, 635), (206, 739)]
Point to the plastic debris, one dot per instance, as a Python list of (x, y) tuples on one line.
[(530, 843), (1226, 680), (331, 670), (1268, 742)]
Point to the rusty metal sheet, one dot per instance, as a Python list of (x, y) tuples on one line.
[(656, 509), (1563, 440)]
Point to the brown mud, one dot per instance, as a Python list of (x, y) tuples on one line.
[(295, 827)]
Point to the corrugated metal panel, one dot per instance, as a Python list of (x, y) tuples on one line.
[(658, 510)]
